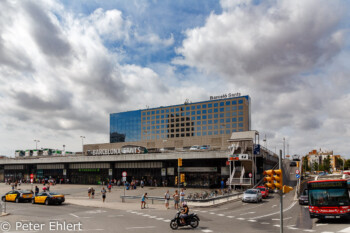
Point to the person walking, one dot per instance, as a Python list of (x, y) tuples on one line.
[(92, 193), (167, 198), (36, 190), (89, 192), (182, 197), (103, 192), (176, 197), (109, 187), (143, 201)]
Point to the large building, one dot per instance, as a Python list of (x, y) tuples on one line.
[(147, 144), (207, 122)]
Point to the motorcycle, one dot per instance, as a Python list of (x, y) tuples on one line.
[(191, 219)]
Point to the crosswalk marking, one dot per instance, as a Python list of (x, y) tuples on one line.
[(207, 230), (345, 230)]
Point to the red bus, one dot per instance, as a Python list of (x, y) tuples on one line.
[(329, 198)]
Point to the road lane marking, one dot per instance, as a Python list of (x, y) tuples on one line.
[(74, 215), (264, 223), (327, 232), (251, 220), (221, 215), (167, 220), (321, 224), (128, 228), (211, 213), (152, 216), (255, 206), (240, 218), (274, 206), (266, 215), (293, 228), (146, 215), (159, 218), (345, 230), (275, 219), (309, 230), (207, 230), (230, 216), (204, 211), (276, 225), (248, 213)]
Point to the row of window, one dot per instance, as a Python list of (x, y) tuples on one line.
[(197, 123), (199, 128), (193, 107), (223, 120), (189, 113), (204, 133)]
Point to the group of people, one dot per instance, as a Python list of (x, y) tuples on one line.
[(91, 193), (178, 198)]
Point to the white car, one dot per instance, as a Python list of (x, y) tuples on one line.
[(252, 195), (196, 147)]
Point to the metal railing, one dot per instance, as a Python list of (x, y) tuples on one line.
[(228, 197)]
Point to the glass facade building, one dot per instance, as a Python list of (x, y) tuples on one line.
[(201, 119)]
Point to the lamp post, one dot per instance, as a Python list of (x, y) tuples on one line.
[(284, 148), (82, 144), (36, 144)]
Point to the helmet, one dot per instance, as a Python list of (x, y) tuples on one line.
[(184, 204)]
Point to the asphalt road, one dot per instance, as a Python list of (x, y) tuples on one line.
[(230, 217)]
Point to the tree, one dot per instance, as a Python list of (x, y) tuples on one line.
[(305, 164), (326, 163), (339, 163), (315, 166), (347, 165)]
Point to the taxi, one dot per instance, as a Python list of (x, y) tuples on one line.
[(48, 198), (18, 196)]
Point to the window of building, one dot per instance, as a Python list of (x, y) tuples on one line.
[(148, 113), (222, 109), (193, 118), (216, 110), (204, 122), (210, 116), (216, 121), (157, 127), (234, 108), (228, 120), (240, 107), (198, 107), (240, 113), (148, 118), (198, 117), (240, 118), (193, 107), (143, 114), (204, 133), (204, 117), (234, 102), (153, 112), (157, 117), (240, 101), (216, 132), (172, 110), (240, 124), (228, 102), (204, 106), (204, 128), (198, 133), (234, 119), (177, 109), (204, 111), (222, 114), (198, 112), (153, 122), (222, 103), (187, 108), (216, 115), (234, 113), (216, 104), (228, 114), (210, 110), (210, 105), (162, 126), (210, 122), (167, 110), (187, 113), (210, 127), (210, 132), (222, 120), (198, 123)]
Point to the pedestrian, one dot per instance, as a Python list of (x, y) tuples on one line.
[(142, 183), (109, 187), (36, 190), (182, 197), (92, 193), (89, 192), (176, 199), (103, 192), (167, 198), (222, 186), (143, 201)]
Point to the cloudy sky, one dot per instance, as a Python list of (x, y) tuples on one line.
[(65, 65)]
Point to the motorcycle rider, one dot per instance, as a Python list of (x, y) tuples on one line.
[(184, 213)]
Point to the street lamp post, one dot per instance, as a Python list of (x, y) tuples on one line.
[(36, 144), (82, 144)]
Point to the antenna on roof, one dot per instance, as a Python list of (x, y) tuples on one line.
[(187, 101)]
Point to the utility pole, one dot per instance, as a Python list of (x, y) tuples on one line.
[(82, 145), (281, 194), (36, 144)]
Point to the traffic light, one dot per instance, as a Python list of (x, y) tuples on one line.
[(278, 179), (287, 189), (269, 179), (182, 178), (175, 179), (179, 162)]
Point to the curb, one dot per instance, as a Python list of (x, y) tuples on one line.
[(4, 214)]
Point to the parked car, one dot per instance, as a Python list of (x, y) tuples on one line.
[(18, 196), (48, 198), (196, 147), (252, 195), (304, 198), (205, 147), (264, 191)]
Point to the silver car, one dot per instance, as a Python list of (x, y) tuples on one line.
[(252, 195)]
